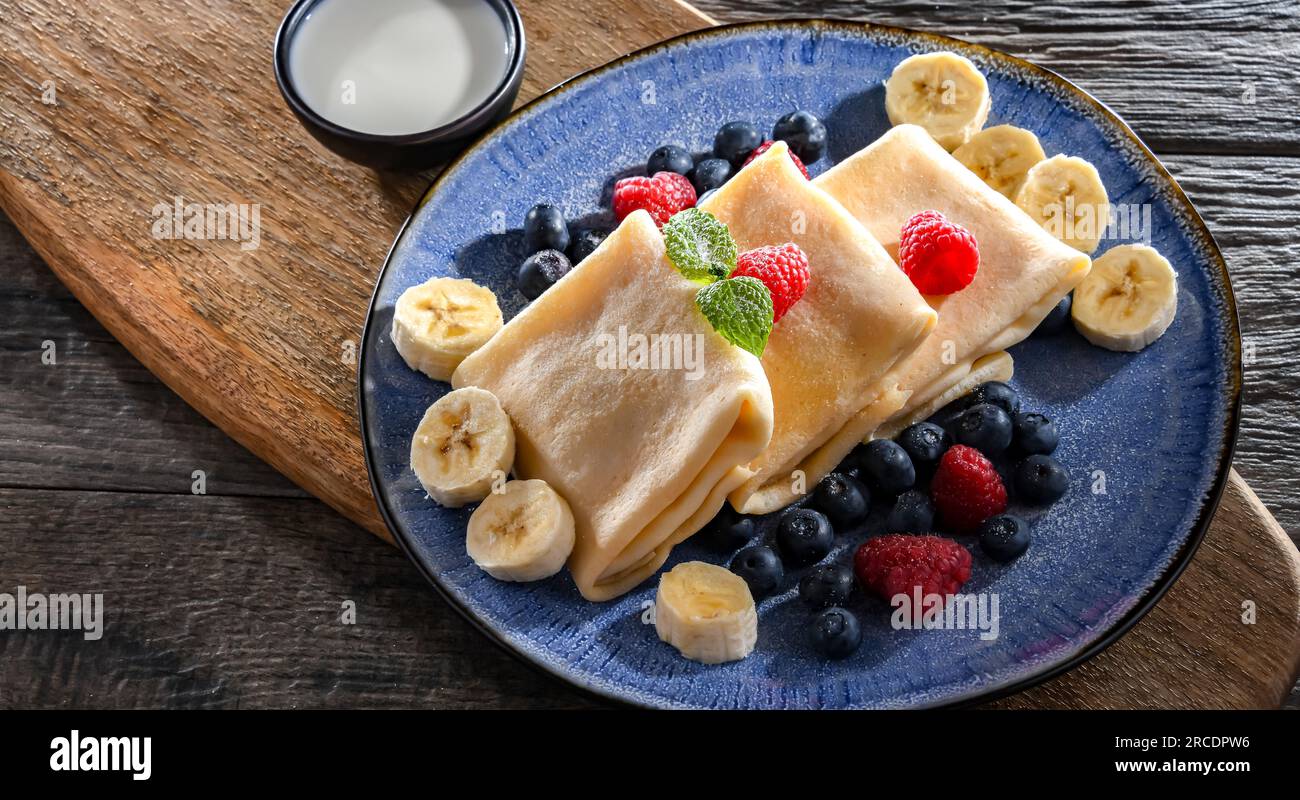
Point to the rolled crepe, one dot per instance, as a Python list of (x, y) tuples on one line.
[(826, 358), (1023, 270), (643, 438)]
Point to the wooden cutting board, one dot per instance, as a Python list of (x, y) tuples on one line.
[(105, 115)]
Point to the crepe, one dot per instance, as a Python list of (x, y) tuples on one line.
[(644, 456), (1023, 272), (826, 358)]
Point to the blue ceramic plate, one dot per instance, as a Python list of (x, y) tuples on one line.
[(1147, 437)]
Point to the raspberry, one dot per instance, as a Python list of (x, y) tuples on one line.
[(898, 563), (966, 489), (783, 269), (662, 195), (939, 256), (765, 146)]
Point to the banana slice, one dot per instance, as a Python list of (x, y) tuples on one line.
[(1001, 156), (1128, 300), (706, 612), (1066, 196), (464, 442), (942, 92), (439, 322), (522, 533)]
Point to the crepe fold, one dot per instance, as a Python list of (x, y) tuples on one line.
[(997, 366), (644, 437), (1023, 272), (826, 360)]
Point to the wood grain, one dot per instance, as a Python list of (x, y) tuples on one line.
[(197, 614), (1250, 206), (1209, 76), (227, 328)]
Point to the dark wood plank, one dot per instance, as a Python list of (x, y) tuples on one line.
[(1177, 72), (1026, 16), (1250, 207), (236, 602)]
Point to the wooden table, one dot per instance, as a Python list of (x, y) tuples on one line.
[(234, 597)]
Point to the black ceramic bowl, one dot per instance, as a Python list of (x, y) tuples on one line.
[(414, 151)]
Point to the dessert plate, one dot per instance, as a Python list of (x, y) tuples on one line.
[(1147, 437)]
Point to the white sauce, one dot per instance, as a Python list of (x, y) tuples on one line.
[(395, 67)]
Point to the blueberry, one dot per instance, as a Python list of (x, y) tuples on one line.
[(844, 500), (585, 243), (887, 466), (804, 536), (997, 393), (705, 196), (1056, 319), (728, 531), (710, 174), (945, 416), (545, 229), (827, 585), (1041, 480), (1003, 538), (670, 158), (760, 567), (985, 427), (540, 271), (805, 134), (852, 466), (1035, 434), (913, 512), (925, 444), (735, 141), (836, 633)]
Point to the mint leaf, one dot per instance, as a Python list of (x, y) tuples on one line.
[(700, 246), (740, 309)]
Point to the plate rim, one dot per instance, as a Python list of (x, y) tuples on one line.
[(1117, 630)]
